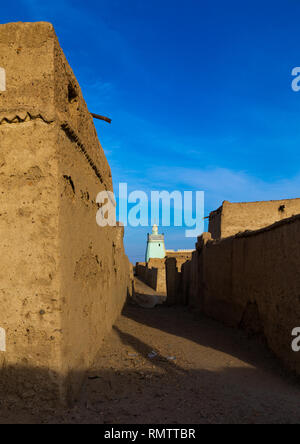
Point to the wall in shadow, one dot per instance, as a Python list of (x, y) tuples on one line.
[(181, 322)]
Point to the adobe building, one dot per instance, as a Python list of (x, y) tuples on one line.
[(179, 254), (63, 279), (232, 218), (250, 281)]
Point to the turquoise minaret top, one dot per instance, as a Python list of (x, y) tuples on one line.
[(155, 245)]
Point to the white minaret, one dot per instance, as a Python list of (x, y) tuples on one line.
[(155, 245)]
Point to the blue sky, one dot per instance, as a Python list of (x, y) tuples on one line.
[(199, 93)]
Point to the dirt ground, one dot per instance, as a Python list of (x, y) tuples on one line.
[(166, 365)]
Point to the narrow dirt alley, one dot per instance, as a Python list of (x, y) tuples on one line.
[(167, 366)]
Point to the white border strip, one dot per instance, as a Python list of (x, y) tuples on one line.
[(2, 340)]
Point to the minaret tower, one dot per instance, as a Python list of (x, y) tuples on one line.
[(155, 245)]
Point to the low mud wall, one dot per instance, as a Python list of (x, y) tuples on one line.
[(251, 281), (63, 279)]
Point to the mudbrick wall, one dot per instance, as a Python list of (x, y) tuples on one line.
[(232, 218), (153, 273), (63, 279), (164, 275), (251, 281)]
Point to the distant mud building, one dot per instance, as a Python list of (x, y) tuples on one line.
[(244, 272)]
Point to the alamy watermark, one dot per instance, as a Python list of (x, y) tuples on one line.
[(296, 341), (164, 208)]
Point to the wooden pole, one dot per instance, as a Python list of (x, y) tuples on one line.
[(97, 116)]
